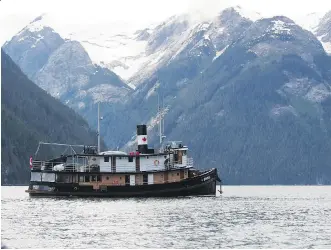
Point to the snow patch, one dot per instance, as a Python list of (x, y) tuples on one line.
[(279, 110), (280, 27), (218, 53), (308, 89), (252, 15), (326, 45), (107, 93), (297, 86), (81, 105), (318, 93), (206, 37), (152, 90), (21, 39)]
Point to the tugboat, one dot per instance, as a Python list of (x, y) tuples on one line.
[(143, 173)]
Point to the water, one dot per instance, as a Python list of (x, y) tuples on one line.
[(243, 217)]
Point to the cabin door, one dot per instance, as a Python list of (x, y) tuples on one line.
[(180, 156), (166, 177), (127, 180), (181, 174), (132, 180), (113, 163), (137, 163), (150, 179)]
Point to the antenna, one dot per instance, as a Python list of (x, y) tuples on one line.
[(98, 133)]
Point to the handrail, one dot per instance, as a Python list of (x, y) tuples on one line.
[(83, 167)]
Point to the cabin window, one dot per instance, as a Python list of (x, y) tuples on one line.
[(177, 174), (107, 178), (130, 158), (93, 178), (120, 157), (120, 178), (87, 178), (81, 178), (98, 178), (165, 156), (147, 157), (106, 159), (184, 152)]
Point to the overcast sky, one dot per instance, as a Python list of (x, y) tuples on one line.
[(16, 14)]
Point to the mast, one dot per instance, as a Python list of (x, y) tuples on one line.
[(160, 119), (163, 117), (98, 127)]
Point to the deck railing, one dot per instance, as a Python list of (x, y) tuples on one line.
[(79, 167)]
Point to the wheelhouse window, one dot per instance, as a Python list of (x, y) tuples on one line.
[(87, 178), (106, 159), (130, 158)]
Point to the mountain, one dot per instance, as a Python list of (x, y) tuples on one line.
[(248, 95), (32, 46), (64, 69), (30, 115), (259, 111), (323, 31)]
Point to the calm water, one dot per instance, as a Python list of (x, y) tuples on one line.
[(243, 217)]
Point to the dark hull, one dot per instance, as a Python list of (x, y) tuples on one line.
[(203, 184)]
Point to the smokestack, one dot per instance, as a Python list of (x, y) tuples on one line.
[(142, 139)]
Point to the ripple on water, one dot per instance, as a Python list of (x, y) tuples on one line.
[(244, 217)]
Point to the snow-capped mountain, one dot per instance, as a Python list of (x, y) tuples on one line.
[(323, 31), (135, 54), (32, 46), (247, 93), (256, 109), (63, 67)]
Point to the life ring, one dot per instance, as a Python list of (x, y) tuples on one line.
[(156, 162), (75, 188)]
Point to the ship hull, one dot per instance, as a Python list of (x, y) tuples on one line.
[(203, 184)]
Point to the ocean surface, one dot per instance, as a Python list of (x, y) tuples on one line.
[(243, 217)]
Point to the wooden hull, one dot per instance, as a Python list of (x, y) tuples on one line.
[(203, 184)]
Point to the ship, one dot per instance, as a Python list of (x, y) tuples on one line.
[(145, 172)]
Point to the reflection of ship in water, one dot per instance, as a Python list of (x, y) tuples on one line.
[(144, 172)]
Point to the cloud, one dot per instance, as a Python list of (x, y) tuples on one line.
[(77, 13)]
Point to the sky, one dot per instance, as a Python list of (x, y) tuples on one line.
[(16, 14)]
